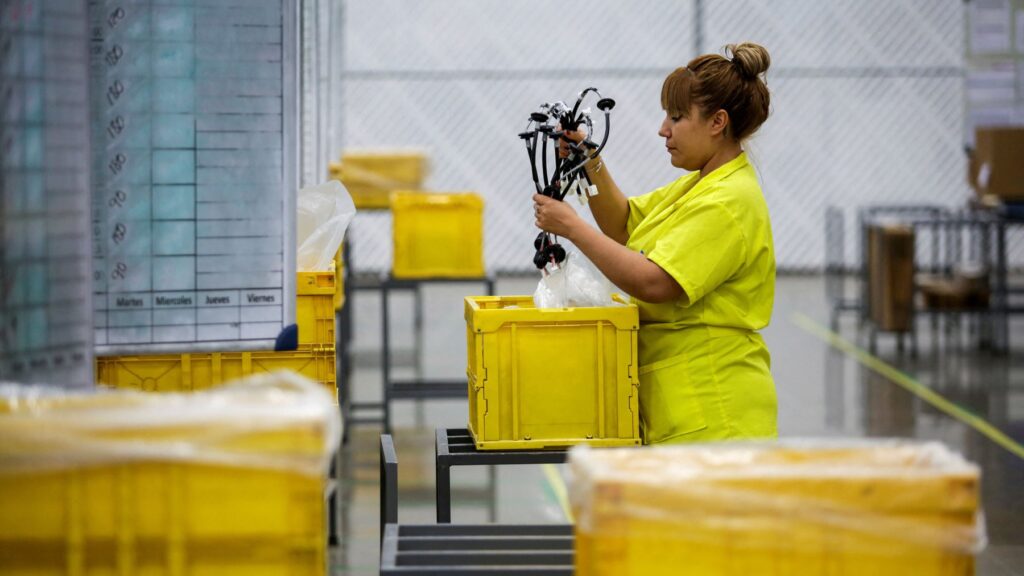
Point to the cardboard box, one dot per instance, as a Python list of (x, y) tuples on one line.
[(958, 292), (891, 276), (996, 167)]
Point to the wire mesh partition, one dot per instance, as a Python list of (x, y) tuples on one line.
[(867, 101)]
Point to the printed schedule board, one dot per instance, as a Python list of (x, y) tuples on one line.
[(195, 172), (45, 306)]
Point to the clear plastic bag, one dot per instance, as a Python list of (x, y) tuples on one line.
[(323, 214), (838, 502), (576, 283), (277, 421)]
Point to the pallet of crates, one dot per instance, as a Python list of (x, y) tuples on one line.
[(227, 481), (370, 176), (814, 508), (314, 358), (550, 378)]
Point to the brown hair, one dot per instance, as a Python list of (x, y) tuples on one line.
[(714, 82)]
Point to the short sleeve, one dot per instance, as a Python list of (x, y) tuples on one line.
[(641, 206), (701, 247)]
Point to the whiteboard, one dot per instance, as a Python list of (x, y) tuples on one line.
[(195, 173), (45, 313)]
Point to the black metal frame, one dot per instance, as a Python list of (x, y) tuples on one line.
[(835, 267), (545, 549), (342, 371), (989, 227), (343, 337), (455, 447), (388, 483), (478, 550)]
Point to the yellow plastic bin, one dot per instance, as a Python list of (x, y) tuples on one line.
[(370, 176), (229, 481), (546, 378), (190, 372), (316, 300), (437, 235), (872, 507)]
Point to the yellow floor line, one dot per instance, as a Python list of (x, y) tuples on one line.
[(558, 487), (910, 384)]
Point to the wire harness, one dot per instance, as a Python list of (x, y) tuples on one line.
[(549, 124)]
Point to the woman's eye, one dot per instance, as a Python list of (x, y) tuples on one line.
[(676, 118)]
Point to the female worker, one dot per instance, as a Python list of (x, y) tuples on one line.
[(696, 255)]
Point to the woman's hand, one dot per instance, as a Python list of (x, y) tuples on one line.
[(556, 217), (576, 136)]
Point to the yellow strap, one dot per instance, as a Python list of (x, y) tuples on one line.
[(558, 487)]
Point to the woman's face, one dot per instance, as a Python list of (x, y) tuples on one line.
[(688, 139)]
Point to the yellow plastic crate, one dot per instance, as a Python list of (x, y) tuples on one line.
[(371, 176), (880, 508), (94, 486), (153, 518), (189, 372), (545, 378), (437, 235), (316, 300)]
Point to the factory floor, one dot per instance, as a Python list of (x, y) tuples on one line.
[(823, 392)]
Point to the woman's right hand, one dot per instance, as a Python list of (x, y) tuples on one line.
[(574, 135)]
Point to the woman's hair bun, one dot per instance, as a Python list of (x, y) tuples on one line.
[(751, 60)]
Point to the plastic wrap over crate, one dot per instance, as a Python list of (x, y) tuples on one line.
[(795, 507), (229, 480)]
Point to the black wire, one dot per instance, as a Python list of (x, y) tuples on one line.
[(576, 107), (531, 149), (544, 158), (607, 130)]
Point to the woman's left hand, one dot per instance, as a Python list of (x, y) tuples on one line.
[(555, 216)]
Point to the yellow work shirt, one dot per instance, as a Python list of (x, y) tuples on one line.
[(704, 370)]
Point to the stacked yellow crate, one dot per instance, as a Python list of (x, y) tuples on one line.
[(880, 508), (371, 176), (545, 378), (437, 235), (228, 481)]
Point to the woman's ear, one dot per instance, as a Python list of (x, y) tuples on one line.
[(719, 123)]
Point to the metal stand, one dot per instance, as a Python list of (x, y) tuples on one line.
[(404, 389), (333, 500), (342, 370), (487, 549), (343, 337), (388, 483), (455, 447), (978, 232)]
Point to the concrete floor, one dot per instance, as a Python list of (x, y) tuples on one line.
[(822, 393)]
